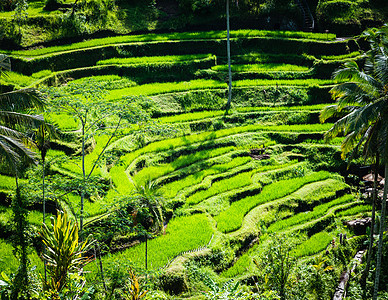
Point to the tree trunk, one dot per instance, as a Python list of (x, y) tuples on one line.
[(228, 54), (372, 226), (381, 235), (81, 219), (44, 217)]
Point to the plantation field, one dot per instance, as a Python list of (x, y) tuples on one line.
[(229, 184)]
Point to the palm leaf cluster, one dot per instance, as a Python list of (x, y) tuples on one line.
[(14, 120), (362, 105), (362, 101)]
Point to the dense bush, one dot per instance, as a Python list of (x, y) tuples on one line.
[(52, 4), (7, 5)]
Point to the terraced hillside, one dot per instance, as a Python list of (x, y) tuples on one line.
[(229, 182)]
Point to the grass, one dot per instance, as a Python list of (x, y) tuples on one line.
[(153, 59), (315, 244), (182, 234), (211, 136), (9, 263), (235, 182), (150, 37), (231, 219), (64, 122), (268, 67), (354, 210), (171, 190), (341, 57), (7, 182), (303, 217), (154, 172), (194, 116), (75, 165), (203, 84), (17, 79)]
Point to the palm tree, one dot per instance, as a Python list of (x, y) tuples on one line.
[(150, 197), (14, 153), (13, 141), (228, 54), (362, 101)]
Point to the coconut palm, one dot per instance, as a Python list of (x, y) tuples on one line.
[(228, 54), (362, 104), (15, 153), (150, 197), (13, 141)]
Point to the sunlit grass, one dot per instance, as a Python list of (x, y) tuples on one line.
[(153, 172), (315, 244), (267, 67), (244, 33), (231, 219), (303, 217), (153, 59), (203, 84), (182, 234), (170, 190)]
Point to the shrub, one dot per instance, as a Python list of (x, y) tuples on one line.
[(51, 5)]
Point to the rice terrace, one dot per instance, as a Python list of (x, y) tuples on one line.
[(193, 149)]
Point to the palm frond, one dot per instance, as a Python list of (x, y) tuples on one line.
[(21, 100), (328, 112), (15, 152), (4, 130), (14, 119), (5, 64)]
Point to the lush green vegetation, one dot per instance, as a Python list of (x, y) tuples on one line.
[(182, 234), (231, 219), (169, 175), (172, 37), (269, 67)]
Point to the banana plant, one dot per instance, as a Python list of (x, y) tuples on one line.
[(64, 253)]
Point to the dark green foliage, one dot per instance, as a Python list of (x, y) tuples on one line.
[(174, 282), (52, 5), (20, 241), (348, 17), (277, 263)]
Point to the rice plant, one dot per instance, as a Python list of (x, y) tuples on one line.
[(203, 84), (235, 182), (267, 67), (154, 172), (231, 219), (315, 244), (194, 116), (153, 59), (211, 136), (304, 217), (182, 234), (341, 57), (244, 33), (171, 189), (360, 209)]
